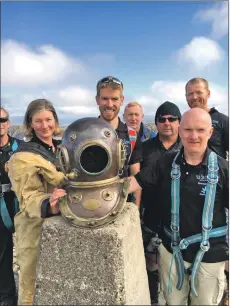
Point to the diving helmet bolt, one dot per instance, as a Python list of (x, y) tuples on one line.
[(91, 223), (113, 213), (72, 175), (107, 195), (70, 218), (76, 198), (107, 133), (72, 137)]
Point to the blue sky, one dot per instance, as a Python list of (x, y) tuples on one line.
[(59, 50)]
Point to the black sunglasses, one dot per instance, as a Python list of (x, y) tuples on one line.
[(109, 79), (170, 119), (2, 119)]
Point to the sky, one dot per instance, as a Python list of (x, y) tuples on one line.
[(59, 50)]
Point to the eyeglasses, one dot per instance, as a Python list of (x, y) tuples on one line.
[(109, 79), (3, 119), (170, 119)]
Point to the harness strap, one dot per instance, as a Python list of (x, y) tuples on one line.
[(4, 213), (14, 146), (214, 233), (207, 216), (175, 226)]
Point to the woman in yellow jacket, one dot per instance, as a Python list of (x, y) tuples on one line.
[(34, 179)]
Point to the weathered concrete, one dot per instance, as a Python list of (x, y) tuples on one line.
[(103, 266)]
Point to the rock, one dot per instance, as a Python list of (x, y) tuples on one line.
[(104, 266)]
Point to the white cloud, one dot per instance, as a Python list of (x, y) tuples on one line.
[(22, 66), (200, 52), (76, 95), (162, 91), (217, 15), (73, 100)]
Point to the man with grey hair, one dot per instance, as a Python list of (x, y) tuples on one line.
[(133, 116), (193, 192)]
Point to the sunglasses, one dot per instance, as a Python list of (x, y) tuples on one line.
[(170, 119), (2, 119), (109, 79)]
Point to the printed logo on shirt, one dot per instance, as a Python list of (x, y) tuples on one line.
[(203, 191), (202, 179)]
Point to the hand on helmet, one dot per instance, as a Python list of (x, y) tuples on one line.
[(54, 200)]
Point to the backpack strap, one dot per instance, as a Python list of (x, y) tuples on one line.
[(4, 213), (14, 145), (36, 148)]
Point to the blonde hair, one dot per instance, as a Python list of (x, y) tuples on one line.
[(197, 80), (33, 108), (132, 104)]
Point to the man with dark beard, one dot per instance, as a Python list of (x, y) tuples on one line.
[(109, 99)]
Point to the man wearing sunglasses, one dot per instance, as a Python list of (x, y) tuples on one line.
[(8, 207), (109, 99), (167, 120)]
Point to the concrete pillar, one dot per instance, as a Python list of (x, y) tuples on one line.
[(104, 266)]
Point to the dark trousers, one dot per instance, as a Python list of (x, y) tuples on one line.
[(153, 278), (7, 282)]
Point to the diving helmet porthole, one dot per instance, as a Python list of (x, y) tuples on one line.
[(94, 159)]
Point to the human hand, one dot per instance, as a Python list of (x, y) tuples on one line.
[(54, 200)]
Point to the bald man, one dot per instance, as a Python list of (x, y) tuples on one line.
[(192, 192)]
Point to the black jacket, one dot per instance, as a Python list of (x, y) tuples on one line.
[(192, 195), (152, 150), (219, 142), (5, 154)]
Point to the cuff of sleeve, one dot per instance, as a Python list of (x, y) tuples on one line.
[(45, 209), (139, 179)]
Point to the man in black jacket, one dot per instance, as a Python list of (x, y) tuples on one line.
[(193, 193), (109, 99), (8, 208), (197, 94), (167, 120)]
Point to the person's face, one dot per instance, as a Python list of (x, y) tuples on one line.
[(43, 124), (168, 128), (133, 117), (109, 102), (195, 133), (4, 126), (197, 95)]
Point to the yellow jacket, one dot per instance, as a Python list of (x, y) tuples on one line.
[(33, 179)]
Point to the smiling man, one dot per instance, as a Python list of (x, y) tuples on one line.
[(197, 93), (193, 193), (110, 99), (133, 116)]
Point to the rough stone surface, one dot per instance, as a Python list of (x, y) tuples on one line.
[(103, 266)]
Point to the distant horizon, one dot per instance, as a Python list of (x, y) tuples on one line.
[(18, 120)]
